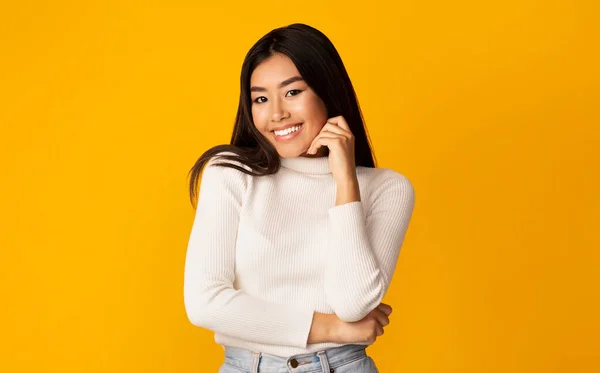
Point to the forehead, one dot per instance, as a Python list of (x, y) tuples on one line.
[(273, 70)]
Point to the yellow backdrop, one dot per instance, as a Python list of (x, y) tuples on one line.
[(491, 110)]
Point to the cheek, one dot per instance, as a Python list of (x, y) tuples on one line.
[(258, 120), (317, 110)]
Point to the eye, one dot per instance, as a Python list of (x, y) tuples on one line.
[(295, 90), (257, 100)]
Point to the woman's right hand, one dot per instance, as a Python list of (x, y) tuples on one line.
[(367, 330)]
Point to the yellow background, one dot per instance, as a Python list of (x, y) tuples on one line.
[(491, 110)]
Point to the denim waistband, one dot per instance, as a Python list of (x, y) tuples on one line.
[(320, 361)]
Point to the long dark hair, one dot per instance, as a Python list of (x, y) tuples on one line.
[(319, 63)]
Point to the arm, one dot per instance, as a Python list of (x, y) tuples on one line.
[(363, 249), (324, 328), (210, 300)]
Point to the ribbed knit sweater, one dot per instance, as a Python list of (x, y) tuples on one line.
[(266, 252)]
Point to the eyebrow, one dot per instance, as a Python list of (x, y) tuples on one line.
[(282, 84)]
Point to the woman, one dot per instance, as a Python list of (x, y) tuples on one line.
[(296, 234)]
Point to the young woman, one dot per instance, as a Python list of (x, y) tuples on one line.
[(296, 234)]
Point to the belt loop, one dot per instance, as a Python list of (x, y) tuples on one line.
[(255, 361), (324, 361)]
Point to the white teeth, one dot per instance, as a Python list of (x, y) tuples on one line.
[(287, 131)]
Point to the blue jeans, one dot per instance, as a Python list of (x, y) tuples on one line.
[(350, 358)]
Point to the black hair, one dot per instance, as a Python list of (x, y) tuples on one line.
[(321, 67)]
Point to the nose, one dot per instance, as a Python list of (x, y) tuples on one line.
[(278, 110)]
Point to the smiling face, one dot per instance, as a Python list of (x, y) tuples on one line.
[(286, 111)]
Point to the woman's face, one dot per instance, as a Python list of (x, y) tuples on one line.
[(281, 100)]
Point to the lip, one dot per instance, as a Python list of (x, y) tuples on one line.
[(290, 135), (286, 126)]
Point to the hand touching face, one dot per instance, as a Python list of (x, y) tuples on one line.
[(286, 111), (337, 136)]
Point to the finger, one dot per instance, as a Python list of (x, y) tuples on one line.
[(313, 144), (323, 138), (330, 127), (379, 330), (387, 309), (340, 121), (326, 140), (382, 319), (324, 132), (329, 135), (321, 135)]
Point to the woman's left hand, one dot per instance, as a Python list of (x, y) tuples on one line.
[(336, 135)]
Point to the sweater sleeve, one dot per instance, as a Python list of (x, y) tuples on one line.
[(363, 249), (210, 299)]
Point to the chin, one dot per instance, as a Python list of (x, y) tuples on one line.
[(290, 153)]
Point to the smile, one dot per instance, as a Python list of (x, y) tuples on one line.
[(288, 133)]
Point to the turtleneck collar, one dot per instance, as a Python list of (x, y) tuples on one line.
[(307, 165)]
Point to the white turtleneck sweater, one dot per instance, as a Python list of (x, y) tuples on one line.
[(266, 252)]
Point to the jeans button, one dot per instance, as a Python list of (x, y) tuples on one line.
[(294, 363)]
